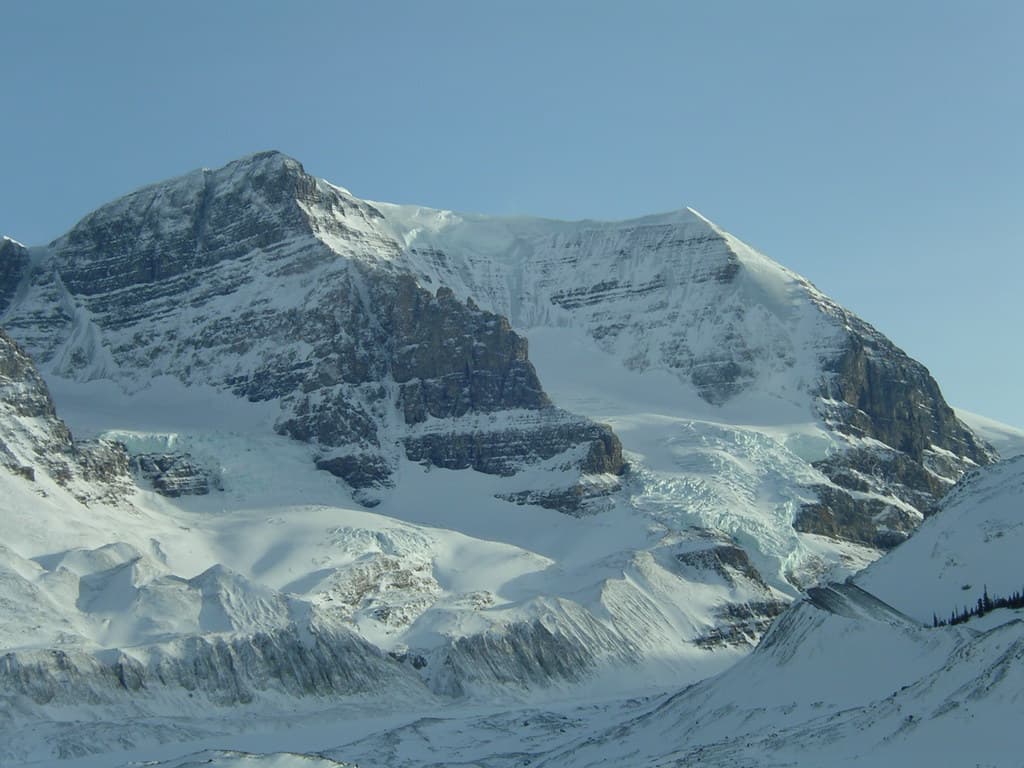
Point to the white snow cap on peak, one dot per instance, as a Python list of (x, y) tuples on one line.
[(12, 240), (701, 216)]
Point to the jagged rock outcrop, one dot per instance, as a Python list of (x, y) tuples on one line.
[(32, 437), (533, 437), (162, 234), (23, 390), (863, 519), (874, 390), (727, 560), (359, 471), (451, 358), (173, 474), (14, 262), (879, 494), (742, 624), (104, 463)]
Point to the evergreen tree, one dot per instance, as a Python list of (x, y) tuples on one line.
[(985, 604)]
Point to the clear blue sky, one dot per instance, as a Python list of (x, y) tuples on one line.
[(875, 147)]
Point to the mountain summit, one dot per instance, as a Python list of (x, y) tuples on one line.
[(262, 279), (601, 454)]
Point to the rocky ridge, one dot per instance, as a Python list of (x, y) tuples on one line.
[(32, 437), (278, 286), (175, 474)]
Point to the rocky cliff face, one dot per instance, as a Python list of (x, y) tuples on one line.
[(175, 474), (878, 391), (908, 444), (278, 286), (33, 438), (14, 262)]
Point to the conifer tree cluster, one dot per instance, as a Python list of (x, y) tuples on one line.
[(980, 608)]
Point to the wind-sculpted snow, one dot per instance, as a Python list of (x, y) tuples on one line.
[(1007, 440)]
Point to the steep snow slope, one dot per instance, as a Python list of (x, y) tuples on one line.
[(645, 289), (974, 544), (676, 293)]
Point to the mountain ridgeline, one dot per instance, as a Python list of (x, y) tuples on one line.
[(260, 279), (354, 449), (384, 333)]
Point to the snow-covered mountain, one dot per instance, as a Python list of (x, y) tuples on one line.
[(383, 333), (600, 457), (277, 287)]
